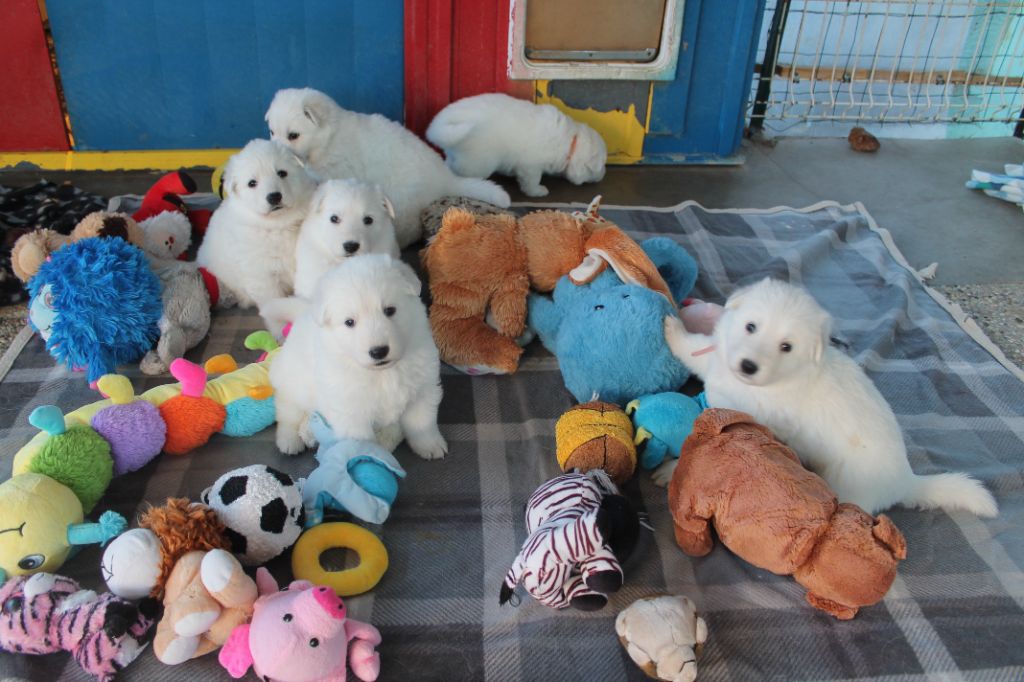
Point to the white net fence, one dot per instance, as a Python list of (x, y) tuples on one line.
[(931, 61)]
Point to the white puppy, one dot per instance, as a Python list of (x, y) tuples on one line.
[(772, 359), (250, 242), (362, 355), (336, 143), (496, 133), (346, 218)]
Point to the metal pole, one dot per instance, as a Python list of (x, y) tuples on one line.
[(771, 56), (1018, 130)]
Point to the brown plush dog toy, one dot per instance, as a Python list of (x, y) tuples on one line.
[(33, 248), (481, 268), (770, 511)]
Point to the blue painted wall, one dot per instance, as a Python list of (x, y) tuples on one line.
[(153, 74), (699, 116)]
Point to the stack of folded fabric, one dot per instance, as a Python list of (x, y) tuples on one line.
[(1008, 186)]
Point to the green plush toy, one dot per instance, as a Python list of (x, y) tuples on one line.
[(42, 510)]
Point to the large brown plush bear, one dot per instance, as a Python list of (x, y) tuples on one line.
[(33, 248), (481, 268), (770, 511)]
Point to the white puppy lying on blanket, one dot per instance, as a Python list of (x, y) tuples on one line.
[(770, 357), (496, 133)]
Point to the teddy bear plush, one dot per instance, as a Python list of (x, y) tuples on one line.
[(206, 596), (481, 269), (608, 335), (301, 633), (580, 529), (663, 635), (34, 248), (46, 613), (188, 291), (767, 509)]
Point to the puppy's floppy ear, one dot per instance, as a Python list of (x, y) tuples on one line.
[(322, 315), (412, 283), (314, 108), (388, 206), (823, 339)]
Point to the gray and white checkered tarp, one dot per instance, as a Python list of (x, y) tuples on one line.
[(956, 610)]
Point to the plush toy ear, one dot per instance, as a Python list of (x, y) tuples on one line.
[(630, 262), (265, 582), (236, 656)]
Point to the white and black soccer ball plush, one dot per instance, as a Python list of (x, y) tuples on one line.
[(262, 509)]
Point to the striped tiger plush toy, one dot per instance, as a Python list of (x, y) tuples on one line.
[(580, 529), (45, 613)]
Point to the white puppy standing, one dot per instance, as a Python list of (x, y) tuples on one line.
[(346, 218), (250, 243), (771, 357), (495, 133), (362, 355), (336, 143)]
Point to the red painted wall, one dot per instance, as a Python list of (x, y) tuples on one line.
[(454, 49), (30, 115)]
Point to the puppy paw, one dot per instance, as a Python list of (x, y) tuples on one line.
[(306, 434), (663, 474), (429, 446), (538, 191), (289, 442)]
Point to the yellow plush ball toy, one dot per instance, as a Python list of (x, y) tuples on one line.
[(596, 435)]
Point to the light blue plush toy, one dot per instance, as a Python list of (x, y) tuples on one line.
[(664, 420), (609, 336), (356, 476)]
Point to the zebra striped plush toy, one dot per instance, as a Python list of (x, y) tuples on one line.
[(44, 613), (580, 529)]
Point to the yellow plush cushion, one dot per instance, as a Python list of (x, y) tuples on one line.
[(373, 558)]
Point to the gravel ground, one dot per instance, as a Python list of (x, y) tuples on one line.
[(999, 311), (12, 319), (997, 308)]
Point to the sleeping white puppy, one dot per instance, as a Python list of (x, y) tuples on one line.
[(249, 245), (346, 218), (496, 133), (770, 356), (362, 355), (336, 143)]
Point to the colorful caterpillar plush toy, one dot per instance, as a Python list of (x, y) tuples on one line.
[(61, 473)]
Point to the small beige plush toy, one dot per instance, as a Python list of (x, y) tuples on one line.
[(663, 635)]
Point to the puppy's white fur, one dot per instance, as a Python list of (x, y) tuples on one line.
[(495, 133), (336, 143), (346, 218), (816, 399), (332, 361), (250, 242)]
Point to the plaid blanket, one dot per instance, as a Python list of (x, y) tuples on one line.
[(954, 612)]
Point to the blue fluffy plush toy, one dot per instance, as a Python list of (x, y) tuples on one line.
[(96, 303), (356, 476), (609, 336), (663, 420)]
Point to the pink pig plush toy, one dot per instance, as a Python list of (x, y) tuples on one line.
[(301, 634)]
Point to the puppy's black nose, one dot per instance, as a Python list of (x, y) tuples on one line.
[(274, 198), (748, 367), (350, 247), (379, 352)]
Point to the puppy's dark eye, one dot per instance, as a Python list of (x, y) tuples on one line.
[(314, 642), (293, 136), (367, 220), (389, 311), (282, 174), (598, 307), (271, 132), (252, 183), (785, 347), (751, 327), (350, 322), (287, 618), (335, 219)]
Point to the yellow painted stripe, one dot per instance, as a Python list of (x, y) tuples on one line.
[(156, 159)]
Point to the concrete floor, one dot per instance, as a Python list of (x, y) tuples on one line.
[(914, 188)]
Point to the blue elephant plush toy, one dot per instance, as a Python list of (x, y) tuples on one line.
[(663, 420), (609, 336)]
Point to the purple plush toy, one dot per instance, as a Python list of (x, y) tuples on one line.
[(133, 427), (45, 613)]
